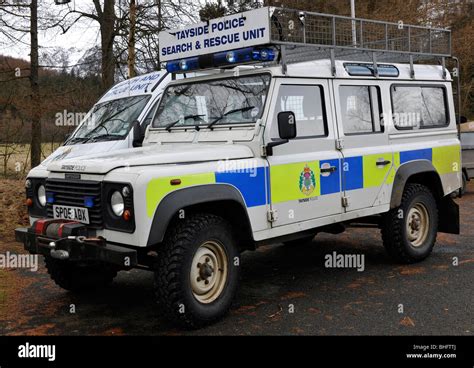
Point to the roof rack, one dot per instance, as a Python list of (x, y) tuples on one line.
[(304, 36)]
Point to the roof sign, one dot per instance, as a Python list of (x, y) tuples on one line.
[(132, 87), (251, 28)]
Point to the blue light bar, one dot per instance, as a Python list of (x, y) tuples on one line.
[(222, 59)]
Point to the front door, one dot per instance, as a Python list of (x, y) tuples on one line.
[(305, 174)]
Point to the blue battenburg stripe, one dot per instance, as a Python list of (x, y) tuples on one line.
[(269, 187), (331, 184), (421, 154), (250, 184), (353, 173)]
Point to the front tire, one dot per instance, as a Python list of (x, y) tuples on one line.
[(409, 231), (197, 272)]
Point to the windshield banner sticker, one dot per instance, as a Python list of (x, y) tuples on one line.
[(232, 32)]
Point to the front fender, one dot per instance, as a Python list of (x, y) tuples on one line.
[(182, 198)]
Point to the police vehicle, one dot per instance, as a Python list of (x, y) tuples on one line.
[(314, 123)]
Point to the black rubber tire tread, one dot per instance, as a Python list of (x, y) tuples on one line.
[(75, 278), (177, 250), (393, 228)]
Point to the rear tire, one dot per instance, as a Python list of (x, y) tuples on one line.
[(409, 231), (76, 278), (197, 272)]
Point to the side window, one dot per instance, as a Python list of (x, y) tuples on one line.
[(306, 102), (361, 109), (419, 107)]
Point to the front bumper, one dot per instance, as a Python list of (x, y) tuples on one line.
[(72, 243)]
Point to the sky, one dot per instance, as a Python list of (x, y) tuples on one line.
[(82, 36)]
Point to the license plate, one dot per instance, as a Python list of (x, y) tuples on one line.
[(71, 213)]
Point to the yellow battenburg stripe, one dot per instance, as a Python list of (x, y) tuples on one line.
[(447, 160), (285, 181), (374, 176), (393, 171), (157, 189)]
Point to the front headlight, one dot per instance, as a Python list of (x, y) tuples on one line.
[(117, 203), (41, 194)]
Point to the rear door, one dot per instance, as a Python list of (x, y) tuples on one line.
[(305, 174), (367, 164)]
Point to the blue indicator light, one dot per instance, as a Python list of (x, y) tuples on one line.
[(231, 57), (263, 55), (173, 66), (183, 65), (49, 197), (89, 202)]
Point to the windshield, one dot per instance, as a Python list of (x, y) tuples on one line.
[(110, 120), (208, 103)]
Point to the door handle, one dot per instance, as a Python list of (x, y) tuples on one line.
[(383, 163), (328, 170)]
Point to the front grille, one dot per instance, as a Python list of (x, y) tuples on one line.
[(73, 193)]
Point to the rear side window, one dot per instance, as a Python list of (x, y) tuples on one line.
[(306, 102), (360, 109), (419, 107)]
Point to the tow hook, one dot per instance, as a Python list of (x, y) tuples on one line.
[(62, 254)]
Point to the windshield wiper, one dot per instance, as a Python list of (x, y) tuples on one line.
[(242, 109), (194, 117), (103, 137), (76, 140)]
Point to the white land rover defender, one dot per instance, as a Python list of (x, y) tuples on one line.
[(300, 133)]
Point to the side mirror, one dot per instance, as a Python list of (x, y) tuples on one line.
[(138, 134), (287, 125), (286, 130)]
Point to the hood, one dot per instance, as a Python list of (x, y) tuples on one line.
[(79, 150), (151, 155)]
